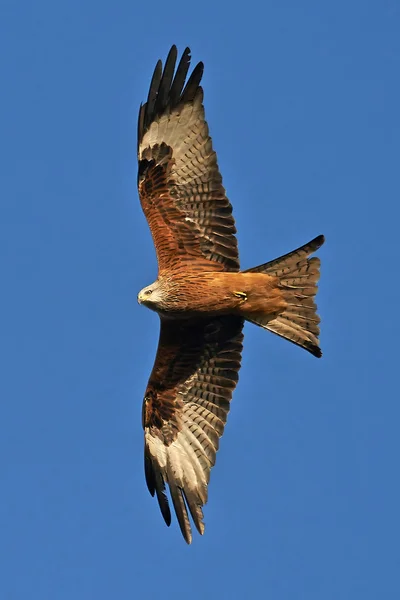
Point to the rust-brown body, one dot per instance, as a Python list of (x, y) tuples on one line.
[(216, 293)]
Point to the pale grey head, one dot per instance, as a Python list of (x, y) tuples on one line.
[(151, 296)]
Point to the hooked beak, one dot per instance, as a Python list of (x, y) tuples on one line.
[(140, 297)]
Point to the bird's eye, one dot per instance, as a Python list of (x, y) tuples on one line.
[(148, 292)]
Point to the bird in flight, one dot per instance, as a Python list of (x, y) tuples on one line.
[(201, 295)]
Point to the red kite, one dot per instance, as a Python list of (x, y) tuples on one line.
[(201, 295)]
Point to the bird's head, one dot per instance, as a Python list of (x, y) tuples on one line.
[(149, 296)]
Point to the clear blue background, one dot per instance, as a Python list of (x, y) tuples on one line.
[(303, 103)]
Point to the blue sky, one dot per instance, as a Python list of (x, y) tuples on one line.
[(302, 100)]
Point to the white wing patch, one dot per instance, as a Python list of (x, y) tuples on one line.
[(186, 131)]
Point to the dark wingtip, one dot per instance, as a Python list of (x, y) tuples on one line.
[(164, 506), (313, 349), (149, 474), (318, 241), (193, 83), (167, 88)]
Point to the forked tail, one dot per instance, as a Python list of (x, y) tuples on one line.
[(298, 275)]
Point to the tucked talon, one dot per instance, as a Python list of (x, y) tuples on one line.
[(241, 295)]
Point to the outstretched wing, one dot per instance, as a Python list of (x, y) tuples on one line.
[(180, 186), (185, 410)]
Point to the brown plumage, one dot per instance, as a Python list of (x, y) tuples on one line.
[(201, 295)]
